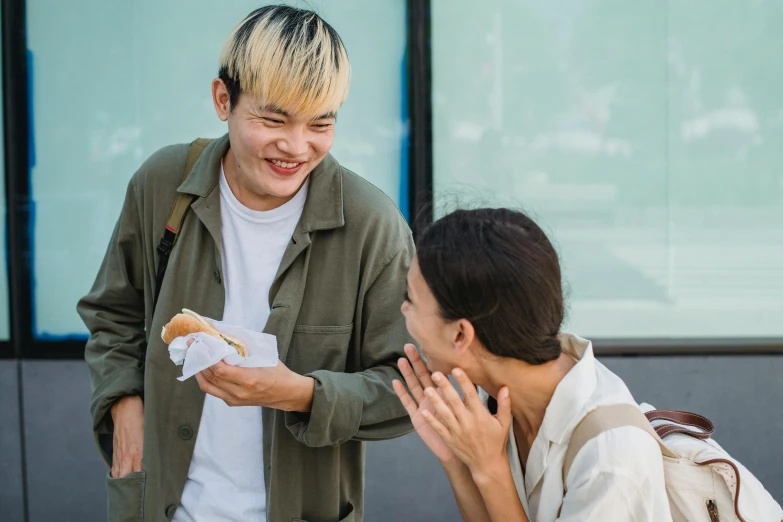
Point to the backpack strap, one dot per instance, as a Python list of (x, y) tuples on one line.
[(176, 217), (682, 418), (605, 418)]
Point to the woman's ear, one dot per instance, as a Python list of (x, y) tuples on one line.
[(464, 335)]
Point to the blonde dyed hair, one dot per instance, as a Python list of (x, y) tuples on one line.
[(289, 58)]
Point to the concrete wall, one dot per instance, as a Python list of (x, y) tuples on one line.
[(65, 476)]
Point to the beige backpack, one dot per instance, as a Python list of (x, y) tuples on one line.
[(703, 482)]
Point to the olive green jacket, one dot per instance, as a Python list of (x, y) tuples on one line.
[(334, 309)]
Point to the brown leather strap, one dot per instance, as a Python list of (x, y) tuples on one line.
[(664, 430), (681, 417), (183, 201)]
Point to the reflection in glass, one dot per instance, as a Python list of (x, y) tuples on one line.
[(115, 81), (644, 136)]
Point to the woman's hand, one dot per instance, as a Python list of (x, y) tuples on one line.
[(470, 431), (417, 377)]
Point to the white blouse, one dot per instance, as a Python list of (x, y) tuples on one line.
[(616, 477)]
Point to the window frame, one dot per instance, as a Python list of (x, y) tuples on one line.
[(17, 124)]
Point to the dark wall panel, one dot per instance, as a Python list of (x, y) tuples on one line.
[(65, 473), (742, 395), (11, 486)]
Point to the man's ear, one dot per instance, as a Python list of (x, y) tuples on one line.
[(221, 99), (464, 335)]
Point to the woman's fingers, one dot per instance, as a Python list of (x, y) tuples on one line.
[(438, 426), (449, 394), (411, 380), (419, 368), (472, 401), (504, 409), (407, 401), (442, 409)]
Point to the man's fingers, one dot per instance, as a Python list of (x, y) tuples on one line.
[(116, 457), (136, 462), (205, 379), (124, 468), (128, 438), (120, 464), (407, 401), (127, 458), (221, 371), (207, 387)]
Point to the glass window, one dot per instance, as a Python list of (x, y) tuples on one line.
[(115, 81), (5, 326), (645, 138)]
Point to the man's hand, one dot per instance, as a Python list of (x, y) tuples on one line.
[(276, 387), (128, 416)]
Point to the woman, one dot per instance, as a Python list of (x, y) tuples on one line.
[(485, 304)]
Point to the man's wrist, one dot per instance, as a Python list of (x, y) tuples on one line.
[(303, 393), (119, 403)]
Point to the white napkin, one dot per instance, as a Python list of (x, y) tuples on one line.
[(207, 350)]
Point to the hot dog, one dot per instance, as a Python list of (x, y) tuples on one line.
[(189, 322)]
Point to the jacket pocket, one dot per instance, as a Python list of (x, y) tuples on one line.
[(349, 517), (126, 497), (319, 348), (305, 328)]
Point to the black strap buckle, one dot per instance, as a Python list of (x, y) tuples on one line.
[(166, 243)]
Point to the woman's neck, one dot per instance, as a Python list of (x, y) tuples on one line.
[(531, 388)]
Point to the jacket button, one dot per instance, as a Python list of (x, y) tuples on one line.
[(185, 432), (216, 276), (170, 511)]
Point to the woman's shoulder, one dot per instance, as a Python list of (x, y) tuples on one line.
[(617, 476), (622, 450), (627, 452)]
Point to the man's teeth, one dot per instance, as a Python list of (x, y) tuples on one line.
[(284, 164)]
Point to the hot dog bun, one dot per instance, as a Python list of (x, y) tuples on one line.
[(189, 322)]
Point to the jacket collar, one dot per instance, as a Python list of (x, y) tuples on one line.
[(323, 209)]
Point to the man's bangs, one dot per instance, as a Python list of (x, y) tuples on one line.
[(301, 93), (300, 68)]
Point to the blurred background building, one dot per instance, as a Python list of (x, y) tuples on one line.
[(645, 136)]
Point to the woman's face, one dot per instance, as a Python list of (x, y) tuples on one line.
[(435, 336)]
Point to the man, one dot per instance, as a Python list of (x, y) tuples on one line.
[(279, 238)]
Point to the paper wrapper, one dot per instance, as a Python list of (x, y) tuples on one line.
[(207, 350)]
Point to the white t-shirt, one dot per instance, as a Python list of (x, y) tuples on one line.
[(616, 476), (226, 477)]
